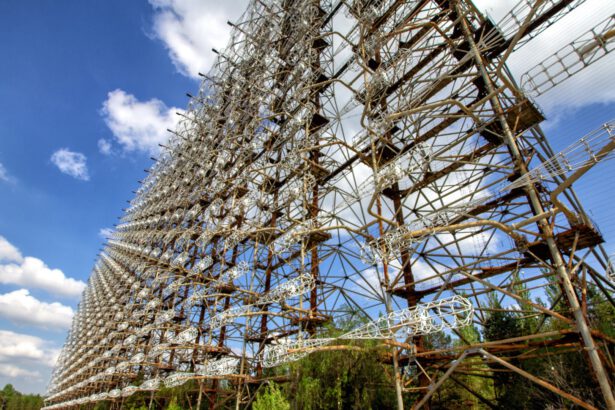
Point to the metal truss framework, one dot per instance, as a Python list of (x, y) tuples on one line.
[(345, 156)]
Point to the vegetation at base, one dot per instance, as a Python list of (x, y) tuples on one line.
[(11, 399), (500, 388), (359, 380), (271, 398), (355, 377), (361, 375)]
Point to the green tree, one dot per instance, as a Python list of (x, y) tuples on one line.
[(563, 369), (173, 405), (271, 398), (11, 399), (512, 391), (350, 378)]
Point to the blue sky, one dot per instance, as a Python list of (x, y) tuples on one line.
[(87, 91)]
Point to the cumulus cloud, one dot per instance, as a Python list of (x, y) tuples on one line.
[(138, 125), (33, 273), (21, 348), (8, 252), (13, 371), (104, 146), (26, 361), (592, 85), (189, 30), (368, 283), (470, 242), (21, 308), (71, 163)]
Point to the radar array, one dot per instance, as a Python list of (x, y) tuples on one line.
[(371, 156)]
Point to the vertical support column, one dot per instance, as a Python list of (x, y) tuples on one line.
[(268, 271), (315, 159), (559, 265)]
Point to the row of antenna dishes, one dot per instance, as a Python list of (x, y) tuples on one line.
[(426, 318)]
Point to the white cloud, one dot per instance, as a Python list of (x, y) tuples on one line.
[(33, 273), (470, 242), (105, 233), (4, 174), (13, 371), (592, 85), (26, 361), (18, 347), (425, 274), (368, 283), (71, 163), (104, 146), (189, 30), (138, 125), (8, 252), (21, 308)]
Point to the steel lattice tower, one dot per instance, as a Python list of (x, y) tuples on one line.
[(342, 156)]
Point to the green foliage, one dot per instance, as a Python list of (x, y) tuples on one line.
[(357, 377), (563, 370), (342, 379), (173, 405), (451, 395), (138, 401), (352, 378), (510, 389), (601, 312), (501, 325), (11, 399), (270, 398), (102, 405), (127, 404), (177, 397)]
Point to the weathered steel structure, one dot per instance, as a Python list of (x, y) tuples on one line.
[(347, 156)]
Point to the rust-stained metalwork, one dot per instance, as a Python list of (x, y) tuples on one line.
[(351, 156)]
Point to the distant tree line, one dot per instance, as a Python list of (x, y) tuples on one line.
[(11, 399)]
